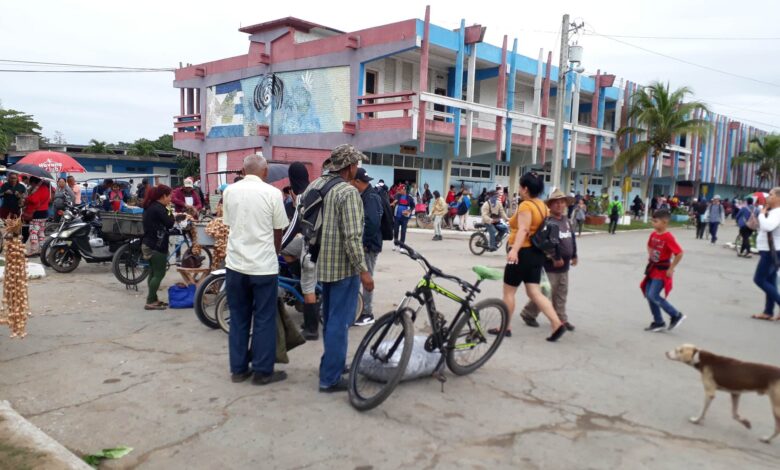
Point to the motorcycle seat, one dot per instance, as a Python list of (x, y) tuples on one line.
[(479, 225)]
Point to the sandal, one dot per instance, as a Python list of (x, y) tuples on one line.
[(154, 307), (763, 316), (161, 303), (496, 331)]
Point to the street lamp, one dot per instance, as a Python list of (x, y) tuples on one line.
[(570, 59)]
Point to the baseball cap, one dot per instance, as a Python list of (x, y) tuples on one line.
[(362, 175), (188, 182)]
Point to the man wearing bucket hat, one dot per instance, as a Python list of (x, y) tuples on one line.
[(341, 266), (558, 268)]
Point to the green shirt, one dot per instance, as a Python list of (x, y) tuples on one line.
[(341, 249), (619, 206)]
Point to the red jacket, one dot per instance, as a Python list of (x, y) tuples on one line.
[(179, 204), (38, 201)]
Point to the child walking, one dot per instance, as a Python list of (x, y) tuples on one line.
[(664, 255)]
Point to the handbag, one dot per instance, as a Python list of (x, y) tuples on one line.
[(181, 295), (752, 221), (191, 260)]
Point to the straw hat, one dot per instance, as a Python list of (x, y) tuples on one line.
[(558, 194)]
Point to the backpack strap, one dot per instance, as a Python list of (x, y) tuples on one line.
[(329, 185)]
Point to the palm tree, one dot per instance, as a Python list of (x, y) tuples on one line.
[(142, 148), (766, 153), (660, 115), (96, 146)]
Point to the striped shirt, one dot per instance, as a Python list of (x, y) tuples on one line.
[(341, 249)]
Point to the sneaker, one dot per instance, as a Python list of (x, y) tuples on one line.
[(310, 335), (530, 321), (403, 251), (341, 386), (676, 321), (394, 247), (569, 326), (238, 378), (656, 327), (277, 376), (364, 319)]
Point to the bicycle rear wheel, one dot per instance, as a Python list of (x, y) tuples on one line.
[(127, 266), (380, 360), (470, 345), (223, 312), (206, 299)]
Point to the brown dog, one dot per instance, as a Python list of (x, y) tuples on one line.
[(733, 376)]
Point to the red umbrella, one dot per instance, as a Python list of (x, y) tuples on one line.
[(53, 162)]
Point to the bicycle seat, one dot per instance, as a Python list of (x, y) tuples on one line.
[(483, 272), (479, 225)]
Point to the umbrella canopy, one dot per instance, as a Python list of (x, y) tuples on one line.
[(30, 170), (758, 197), (53, 162), (276, 172)]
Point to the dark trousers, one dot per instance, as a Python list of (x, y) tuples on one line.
[(700, 227), (745, 233), (252, 303), (339, 302), (613, 221), (400, 226), (157, 265), (766, 280), (714, 231)]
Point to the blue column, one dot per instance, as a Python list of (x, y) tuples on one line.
[(361, 78), (510, 99), (600, 124), (458, 91), (567, 117)]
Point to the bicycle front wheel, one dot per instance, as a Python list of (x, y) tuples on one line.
[(206, 299), (223, 312), (470, 345), (380, 360)]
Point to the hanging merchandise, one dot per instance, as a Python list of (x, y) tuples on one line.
[(219, 231), (16, 306)]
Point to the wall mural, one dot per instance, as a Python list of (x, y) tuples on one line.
[(300, 102)]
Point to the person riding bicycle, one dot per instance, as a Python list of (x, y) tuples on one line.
[(493, 216)]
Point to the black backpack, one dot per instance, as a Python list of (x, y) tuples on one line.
[(547, 236), (386, 225), (311, 217), (614, 212)]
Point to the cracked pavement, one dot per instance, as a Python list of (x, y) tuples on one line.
[(98, 371)]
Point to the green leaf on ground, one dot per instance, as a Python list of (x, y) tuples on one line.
[(113, 453)]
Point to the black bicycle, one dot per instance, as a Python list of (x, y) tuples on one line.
[(464, 343)]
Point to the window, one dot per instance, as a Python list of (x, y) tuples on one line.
[(99, 168), (616, 183), (405, 161), (502, 170), (636, 183), (470, 170)]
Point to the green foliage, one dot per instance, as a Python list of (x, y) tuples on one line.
[(114, 453), (142, 148), (97, 146), (13, 123), (660, 115), (164, 142), (188, 166), (766, 153), (597, 205)]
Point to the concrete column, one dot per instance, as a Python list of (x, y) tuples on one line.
[(447, 169), (514, 175)]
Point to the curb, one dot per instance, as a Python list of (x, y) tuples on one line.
[(29, 447)]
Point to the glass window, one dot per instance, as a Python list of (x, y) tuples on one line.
[(387, 159), (418, 162), (409, 161), (398, 161), (437, 164)]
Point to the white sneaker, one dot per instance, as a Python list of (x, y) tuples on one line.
[(364, 320), (403, 251), (394, 247)]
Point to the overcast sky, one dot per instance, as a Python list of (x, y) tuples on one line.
[(123, 107)]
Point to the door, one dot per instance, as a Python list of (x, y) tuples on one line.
[(404, 176), (372, 78)]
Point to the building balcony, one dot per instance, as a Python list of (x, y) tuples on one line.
[(187, 126)]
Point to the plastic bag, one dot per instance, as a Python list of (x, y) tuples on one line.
[(421, 362), (545, 285)]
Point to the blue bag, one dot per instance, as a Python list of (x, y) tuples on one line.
[(181, 296)]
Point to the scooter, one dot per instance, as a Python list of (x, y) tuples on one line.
[(77, 239)]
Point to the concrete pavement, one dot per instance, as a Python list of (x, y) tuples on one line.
[(98, 371)]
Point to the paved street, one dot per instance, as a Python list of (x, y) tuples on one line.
[(98, 371)]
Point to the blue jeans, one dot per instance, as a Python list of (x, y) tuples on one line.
[(766, 280), (400, 226), (714, 231), (653, 293), (339, 301), (252, 302), (493, 229)]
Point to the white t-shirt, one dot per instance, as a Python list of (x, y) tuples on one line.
[(253, 210), (768, 223), (189, 200)]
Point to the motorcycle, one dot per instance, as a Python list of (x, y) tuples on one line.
[(79, 238), (480, 239)]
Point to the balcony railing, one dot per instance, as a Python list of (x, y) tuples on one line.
[(370, 106), (188, 126)]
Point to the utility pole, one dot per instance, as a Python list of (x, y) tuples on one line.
[(560, 105)]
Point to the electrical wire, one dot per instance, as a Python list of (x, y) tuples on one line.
[(59, 64), (694, 64), (83, 71)]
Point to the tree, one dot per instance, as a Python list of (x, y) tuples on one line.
[(660, 115), (164, 142), (13, 123), (188, 166), (766, 153), (58, 138), (142, 148), (96, 146)]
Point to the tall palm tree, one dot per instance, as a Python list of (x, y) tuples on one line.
[(96, 146), (766, 153), (660, 115)]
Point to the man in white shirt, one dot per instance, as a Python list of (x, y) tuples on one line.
[(254, 211)]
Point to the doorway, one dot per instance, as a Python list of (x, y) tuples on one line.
[(401, 175)]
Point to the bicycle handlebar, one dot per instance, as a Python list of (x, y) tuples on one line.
[(434, 270)]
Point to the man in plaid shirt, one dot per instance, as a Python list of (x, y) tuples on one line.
[(341, 266)]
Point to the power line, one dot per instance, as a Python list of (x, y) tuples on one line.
[(706, 67), (59, 64), (690, 38), (82, 71)]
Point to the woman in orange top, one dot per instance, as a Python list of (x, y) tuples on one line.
[(524, 262)]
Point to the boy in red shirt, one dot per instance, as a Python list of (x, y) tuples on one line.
[(664, 255)]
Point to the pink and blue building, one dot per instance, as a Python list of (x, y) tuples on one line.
[(429, 104)]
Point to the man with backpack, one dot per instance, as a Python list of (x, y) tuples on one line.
[(332, 221), (744, 215), (372, 236), (615, 212), (403, 205)]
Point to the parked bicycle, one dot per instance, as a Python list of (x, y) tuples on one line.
[(465, 345)]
